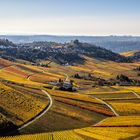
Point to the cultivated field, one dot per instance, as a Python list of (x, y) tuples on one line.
[(101, 112), (121, 121), (14, 104)]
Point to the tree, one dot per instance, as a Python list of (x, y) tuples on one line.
[(89, 75), (138, 68), (71, 81), (123, 78), (60, 80), (77, 76)]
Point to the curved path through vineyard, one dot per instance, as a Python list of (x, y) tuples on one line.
[(136, 94), (40, 114), (109, 106)]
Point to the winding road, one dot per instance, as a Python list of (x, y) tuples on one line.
[(112, 109), (137, 95), (29, 76), (40, 114), (67, 77), (51, 102), (108, 105)]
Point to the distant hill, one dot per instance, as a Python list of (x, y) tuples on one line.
[(63, 53), (135, 56), (120, 46), (128, 54), (114, 43)]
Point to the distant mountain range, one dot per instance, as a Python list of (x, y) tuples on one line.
[(114, 43), (73, 52)]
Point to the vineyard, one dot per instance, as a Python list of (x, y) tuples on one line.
[(89, 133), (110, 133), (88, 113), (127, 107), (113, 96), (121, 121), (15, 103), (106, 69), (5, 63)]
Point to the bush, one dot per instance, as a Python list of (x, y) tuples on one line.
[(123, 78)]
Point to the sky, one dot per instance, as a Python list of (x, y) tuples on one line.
[(70, 17)]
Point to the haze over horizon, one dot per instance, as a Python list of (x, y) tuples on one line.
[(75, 17)]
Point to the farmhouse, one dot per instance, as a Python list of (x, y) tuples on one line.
[(66, 85)]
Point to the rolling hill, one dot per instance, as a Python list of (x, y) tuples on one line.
[(67, 53), (133, 55), (92, 111), (116, 44)]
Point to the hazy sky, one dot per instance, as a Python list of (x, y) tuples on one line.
[(70, 17)]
